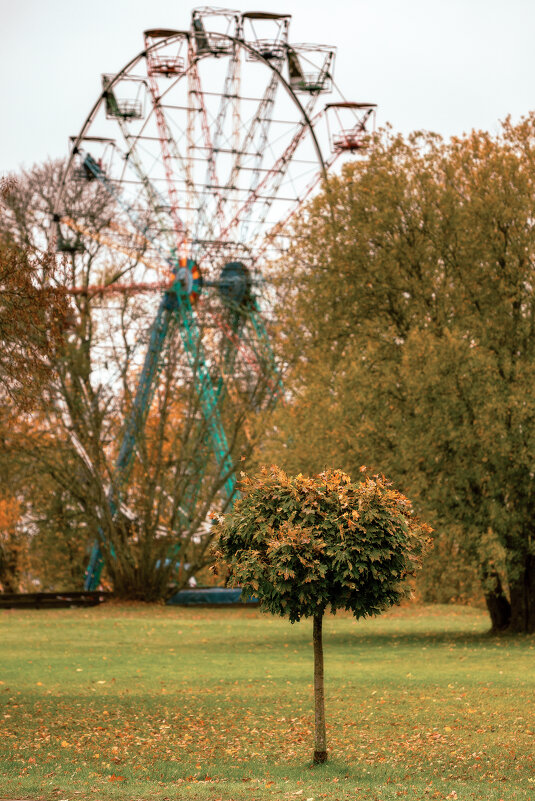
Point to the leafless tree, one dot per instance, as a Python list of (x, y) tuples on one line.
[(151, 515)]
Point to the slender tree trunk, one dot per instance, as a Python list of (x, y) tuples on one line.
[(497, 603), (320, 737), (521, 574)]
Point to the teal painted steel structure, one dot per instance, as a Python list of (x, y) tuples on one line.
[(175, 307), (208, 164)]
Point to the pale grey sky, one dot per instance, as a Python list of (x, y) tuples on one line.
[(443, 65)]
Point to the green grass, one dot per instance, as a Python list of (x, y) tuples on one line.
[(148, 702)]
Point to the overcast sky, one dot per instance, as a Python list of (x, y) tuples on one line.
[(442, 65)]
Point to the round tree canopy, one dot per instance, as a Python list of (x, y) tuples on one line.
[(301, 544)]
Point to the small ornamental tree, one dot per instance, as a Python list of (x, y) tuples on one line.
[(303, 544)]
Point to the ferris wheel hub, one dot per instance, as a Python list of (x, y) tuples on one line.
[(188, 283), (235, 284)]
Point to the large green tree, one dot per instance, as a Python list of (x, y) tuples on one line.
[(410, 328)]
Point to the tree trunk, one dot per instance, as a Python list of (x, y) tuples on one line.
[(9, 570), (320, 737), (521, 575), (497, 603)]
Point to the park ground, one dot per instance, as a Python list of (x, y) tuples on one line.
[(136, 702)]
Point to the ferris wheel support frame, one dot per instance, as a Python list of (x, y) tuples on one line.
[(175, 307)]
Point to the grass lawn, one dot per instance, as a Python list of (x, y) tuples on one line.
[(148, 702)]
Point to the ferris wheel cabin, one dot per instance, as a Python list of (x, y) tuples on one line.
[(267, 34), (310, 68), (211, 29), (168, 63), (128, 105), (357, 137)]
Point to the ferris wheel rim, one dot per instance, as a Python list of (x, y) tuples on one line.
[(188, 35)]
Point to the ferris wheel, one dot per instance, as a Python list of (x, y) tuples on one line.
[(200, 150)]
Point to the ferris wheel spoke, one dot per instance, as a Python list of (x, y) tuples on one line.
[(231, 80), (134, 159), (249, 136), (170, 153), (117, 247), (261, 213), (256, 128), (281, 224), (284, 162), (207, 139), (197, 214), (264, 129), (167, 158), (98, 173), (153, 198), (270, 181)]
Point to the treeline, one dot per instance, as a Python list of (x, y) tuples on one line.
[(73, 345), (407, 315), (406, 325)]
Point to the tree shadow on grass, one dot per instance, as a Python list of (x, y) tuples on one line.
[(425, 638)]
